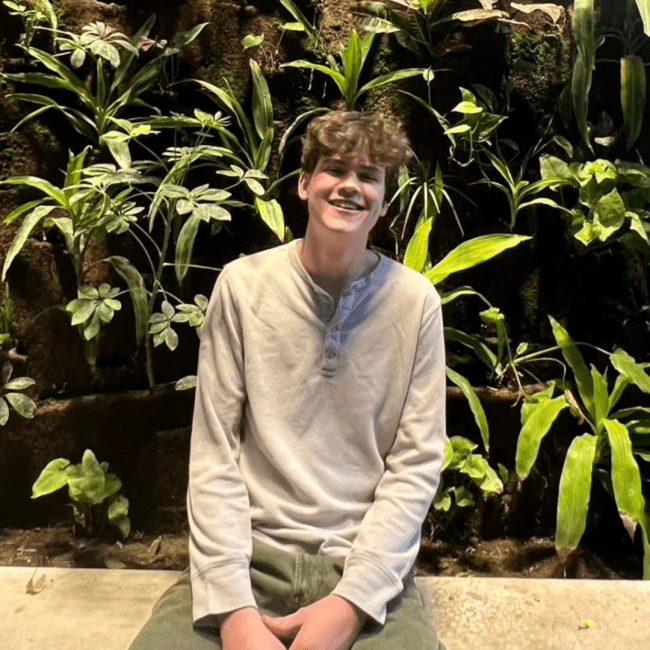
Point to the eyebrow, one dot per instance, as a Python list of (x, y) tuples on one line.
[(343, 161)]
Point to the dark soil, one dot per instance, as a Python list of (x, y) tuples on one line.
[(533, 558)]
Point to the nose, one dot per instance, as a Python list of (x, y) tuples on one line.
[(350, 184)]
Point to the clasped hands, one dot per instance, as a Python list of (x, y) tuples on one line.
[(332, 623)]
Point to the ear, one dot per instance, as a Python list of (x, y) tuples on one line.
[(384, 209), (303, 182)]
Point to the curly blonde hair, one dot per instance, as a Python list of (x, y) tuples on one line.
[(344, 132)]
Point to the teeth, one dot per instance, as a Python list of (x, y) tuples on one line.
[(346, 204)]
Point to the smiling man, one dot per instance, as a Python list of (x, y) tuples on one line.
[(319, 427)]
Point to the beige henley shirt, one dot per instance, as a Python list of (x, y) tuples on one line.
[(318, 427)]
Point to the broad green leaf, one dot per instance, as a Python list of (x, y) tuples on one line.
[(66, 78), (584, 31), (252, 40), (292, 27), (610, 210), (185, 246), (576, 362), (227, 100), (630, 369), (91, 330), (580, 87), (286, 138), (171, 339), (90, 486), (621, 384), (137, 291), (105, 312), (463, 497), (4, 412), (601, 398), (26, 228), (575, 490), (186, 383), (21, 209), (479, 470), (391, 77), (184, 38), (467, 108), (22, 404), (417, 250), (442, 500), (483, 352), (20, 383), (82, 309), (112, 483), (450, 296), (633, 94), (626, 478), (461, 450), (338, 78), (538, 417), (51, 479), (473, 252), (262, 107), (272, 215), (474, 404), (644, 9), (118, 508)]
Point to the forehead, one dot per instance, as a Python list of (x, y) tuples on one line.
[(359, 161)]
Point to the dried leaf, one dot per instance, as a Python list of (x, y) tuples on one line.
[(550, 9), (155, 546), (34, 588)]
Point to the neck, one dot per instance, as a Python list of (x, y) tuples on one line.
[(334, 264)]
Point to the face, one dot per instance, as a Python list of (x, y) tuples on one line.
[(345, 195)]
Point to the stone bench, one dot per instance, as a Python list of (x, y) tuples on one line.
[(100, 609)]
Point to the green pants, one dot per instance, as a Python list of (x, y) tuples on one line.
[(282, 583)]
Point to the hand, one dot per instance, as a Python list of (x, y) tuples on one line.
[(244, 630), (332, 623)]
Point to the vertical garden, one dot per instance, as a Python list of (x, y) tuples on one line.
[(145, 145)]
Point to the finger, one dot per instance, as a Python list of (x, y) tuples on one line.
[(283, 625)]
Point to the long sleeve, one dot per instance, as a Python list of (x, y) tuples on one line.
[(217, 500), (389, 536)]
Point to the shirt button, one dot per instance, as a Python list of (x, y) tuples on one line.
[(330, 353)]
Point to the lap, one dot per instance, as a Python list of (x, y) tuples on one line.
[(171, 628)]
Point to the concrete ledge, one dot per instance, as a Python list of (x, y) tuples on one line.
[(95, 609)]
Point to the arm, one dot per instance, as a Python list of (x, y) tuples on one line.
[(217, 500), (389, 537)]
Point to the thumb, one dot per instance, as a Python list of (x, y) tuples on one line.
[(283, 625)]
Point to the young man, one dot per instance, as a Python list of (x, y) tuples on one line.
[(319, 427)]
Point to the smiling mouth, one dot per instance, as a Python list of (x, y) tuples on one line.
[(344, 204)]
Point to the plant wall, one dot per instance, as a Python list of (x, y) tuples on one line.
[(142, 151)]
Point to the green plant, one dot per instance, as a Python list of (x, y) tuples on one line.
[(347, 75), (34, 14), (114, 86), (459, 458), (607, 450), (19, 402), (466, 255), (92, 202), (301, 24), (420, 26), (93, 492), (477, 125), (248, 151), (103, 198), (628, 22), (612, 200)]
